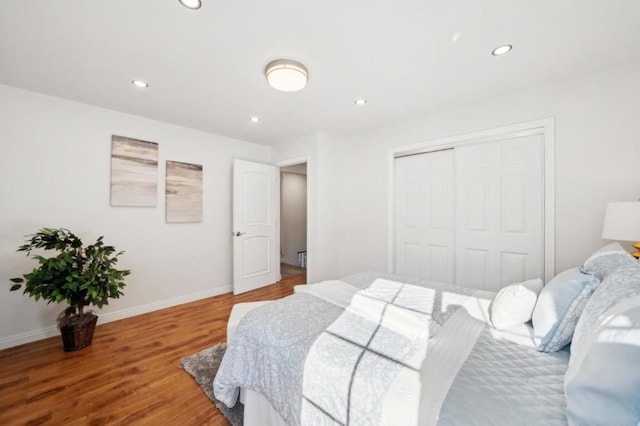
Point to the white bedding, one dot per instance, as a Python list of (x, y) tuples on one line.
[(374, 348), (472, 374)]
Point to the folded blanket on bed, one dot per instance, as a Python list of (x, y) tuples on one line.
[(366, 368), (408, 320)]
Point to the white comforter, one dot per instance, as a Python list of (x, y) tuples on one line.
[(304, 353)]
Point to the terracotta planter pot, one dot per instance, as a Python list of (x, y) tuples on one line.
[(76, 337)]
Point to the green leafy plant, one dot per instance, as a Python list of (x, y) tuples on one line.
[(78, 275)]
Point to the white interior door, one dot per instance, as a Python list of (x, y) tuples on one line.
[(256, 209), (499, 231), (424, 206)]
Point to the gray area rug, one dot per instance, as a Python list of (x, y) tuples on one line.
[(203, 367)]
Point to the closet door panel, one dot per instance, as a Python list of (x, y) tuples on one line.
[(499, 212), (407, 217), (476, 268), (440, 261), (424, 216), (409, 260)]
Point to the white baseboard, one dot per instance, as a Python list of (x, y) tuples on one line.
[(43, 333), (29, 336)]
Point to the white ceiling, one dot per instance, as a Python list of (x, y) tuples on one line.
[(205, 67)]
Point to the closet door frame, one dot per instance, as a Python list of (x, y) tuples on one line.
[(544, 127)]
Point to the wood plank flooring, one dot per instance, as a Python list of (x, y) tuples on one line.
[(289, 270), (130, 374)]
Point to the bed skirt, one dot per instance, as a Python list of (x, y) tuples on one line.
[(258, 411)]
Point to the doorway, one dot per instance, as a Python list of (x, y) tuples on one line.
[(293, 220)]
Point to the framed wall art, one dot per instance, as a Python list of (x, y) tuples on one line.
[(183, 192), (134, 172)]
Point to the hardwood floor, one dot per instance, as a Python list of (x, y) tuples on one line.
[(290, 270), (130, 374)]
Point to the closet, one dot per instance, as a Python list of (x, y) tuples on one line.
[(473, 214)]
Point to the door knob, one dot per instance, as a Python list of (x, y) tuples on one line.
[(238, 233)]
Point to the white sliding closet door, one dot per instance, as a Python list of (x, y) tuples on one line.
[(424, 219), (500, 211), (472, 215)]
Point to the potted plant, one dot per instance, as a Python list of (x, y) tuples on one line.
[(78, 275)]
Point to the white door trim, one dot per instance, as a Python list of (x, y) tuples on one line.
[(311, 259), (293, 161), (545, 126)]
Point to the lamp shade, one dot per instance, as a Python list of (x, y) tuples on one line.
[(622, 222)]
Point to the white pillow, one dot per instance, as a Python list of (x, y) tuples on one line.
[(514, 304)]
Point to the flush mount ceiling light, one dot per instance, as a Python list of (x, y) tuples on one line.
[(191, 4), (255, 119), (140, 84), (360, 102), (502, 50), (286, 75)]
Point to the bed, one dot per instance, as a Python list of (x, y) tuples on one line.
[(376, 348)]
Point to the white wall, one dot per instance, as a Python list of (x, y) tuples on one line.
[(55, 169), (293, 211), (321, 214), (597, 145)]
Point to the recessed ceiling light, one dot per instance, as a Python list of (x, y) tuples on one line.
[(191, 4), (139, 83), (255, 119), (502, 50), (360, 101), (286, 75)]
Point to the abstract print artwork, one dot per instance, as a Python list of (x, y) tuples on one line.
[(134, 172), (184, 192)]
